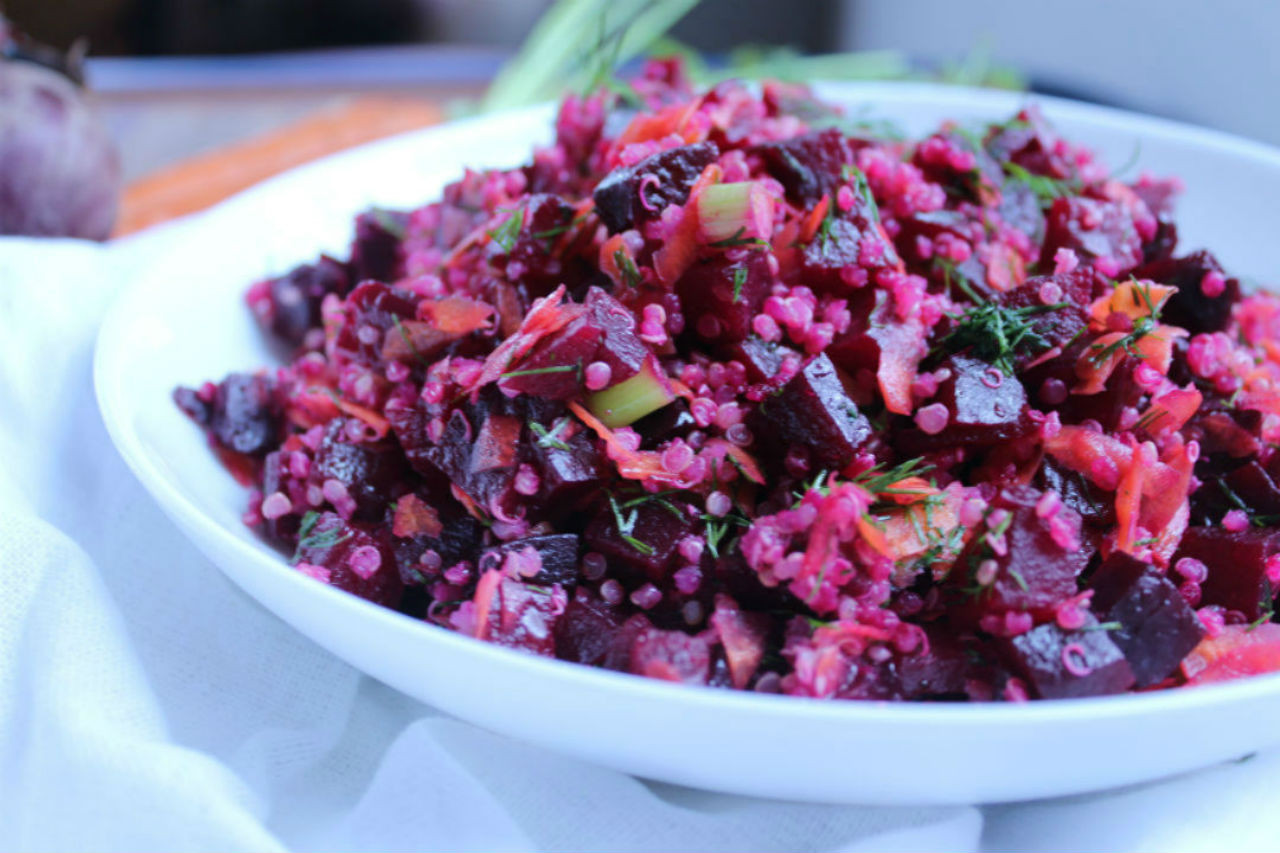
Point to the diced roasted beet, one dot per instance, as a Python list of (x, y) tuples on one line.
[(1058, 664), (532, 261), (1159, 196), (586, 631), (852, 239), (1095, 230), (471, 465), (671, 421), (1094, 506), (1156, 627), (459, 539), (350, 557), (809, 166), (569, 469), (648, 544), (719, 297), (1032, 570), (672, 656), (558, 552), (1237, 562), (1252, 484), (984, 407), (244, 415), (516, 614), (375, 251), (761, 358), (1060, 325), (370, 473), (620, 346), (1190, 308), (665, 178), (292, 305), (813, 410), (1020, 209), (941, 672), (1028, 141)]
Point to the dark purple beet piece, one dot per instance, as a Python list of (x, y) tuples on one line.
[(1159, 197), (1157, 628), (941, 672), (371, 473), (665, 178), (620, 346), (1034, 572), (1237, 562), (244, 415), (294, 298), (719, 297), (1058, 664), (852, 239), (354, 559), (1093, 229), (648, 544), (1094, 506), (586, 631), (1190, 308), (1020, 209), (813, 410), (518, 615), (984, 406), (375, 251), (532, 261), (569, 469), (558, 552), (809, 166)]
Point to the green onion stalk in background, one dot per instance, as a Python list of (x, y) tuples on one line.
[(577, 45)]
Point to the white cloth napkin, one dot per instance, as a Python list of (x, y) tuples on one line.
[(147, 704)]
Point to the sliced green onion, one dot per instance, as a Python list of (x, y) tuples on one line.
[(735, 212), (632, 399)]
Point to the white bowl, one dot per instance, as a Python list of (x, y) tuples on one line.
[(185, 321)]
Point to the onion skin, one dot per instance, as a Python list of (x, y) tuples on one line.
[(59, 170)]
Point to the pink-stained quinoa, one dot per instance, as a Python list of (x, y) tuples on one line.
[(726, 388)]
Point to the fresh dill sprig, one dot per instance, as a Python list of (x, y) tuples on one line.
[(626, 527), (550, 438), (739, 279), (1100, 353), (997, 334)]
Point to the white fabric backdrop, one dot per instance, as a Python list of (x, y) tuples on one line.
[(147, 704)]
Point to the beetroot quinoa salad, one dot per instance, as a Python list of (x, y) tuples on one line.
[(726, 388)]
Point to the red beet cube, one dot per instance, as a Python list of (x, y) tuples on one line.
[(558, 553), (1032, 570), (665, 178), (1190, 308), (645, 538), (1058, 664), (813, 410), (350, 557), (1157, 628), (1237, 562)]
